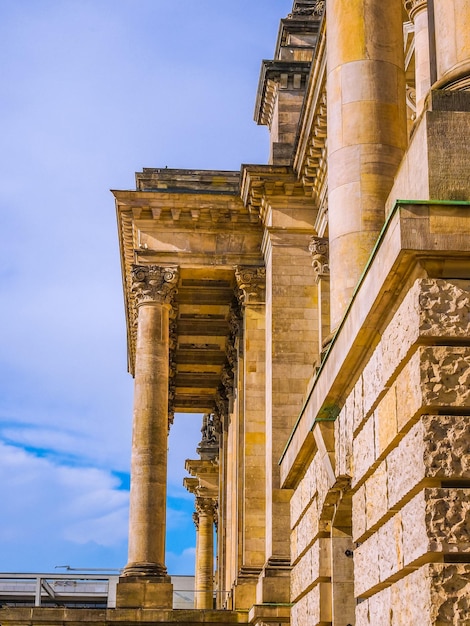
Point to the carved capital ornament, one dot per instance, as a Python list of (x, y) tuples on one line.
[(251, 281), (154, 283), (415, 6), (319, 249)]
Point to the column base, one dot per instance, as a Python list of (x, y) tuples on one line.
[(274, 582), (244, 590), (138, 592)]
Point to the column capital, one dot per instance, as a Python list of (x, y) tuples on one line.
[(154, 283), (415, 6), (205, 506), (319, 249), (251, 280)]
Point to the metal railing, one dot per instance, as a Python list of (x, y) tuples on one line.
[(83, 589)]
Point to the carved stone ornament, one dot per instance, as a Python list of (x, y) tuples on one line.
[(315, 7), (415, 6), (205, 506), (319, 248), (154, 283), (210, 436), (252, 282)]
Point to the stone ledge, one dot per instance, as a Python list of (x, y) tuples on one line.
[(123, 617)]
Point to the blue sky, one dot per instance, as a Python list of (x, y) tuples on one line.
[(92, 91)]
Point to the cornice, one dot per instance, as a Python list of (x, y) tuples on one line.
[(268, 181), (274, 75), (310, 159)]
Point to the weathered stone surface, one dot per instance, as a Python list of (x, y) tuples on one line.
[(405, 465), (445, 375), (438, 446), (314, 565), (380, 608), (446, 445), (363, 451), (435, 520), (305, 532), (344, 428), (450, 593), (386, 425), (359, 517), (376, 488), (366, 565), (434, 595), (390, 547)]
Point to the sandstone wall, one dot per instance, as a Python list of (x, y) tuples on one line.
[(403, 439)]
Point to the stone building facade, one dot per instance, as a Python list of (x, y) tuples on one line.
[(316, 311)]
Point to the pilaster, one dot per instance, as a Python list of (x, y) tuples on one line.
[(291, 349), (251, 281)]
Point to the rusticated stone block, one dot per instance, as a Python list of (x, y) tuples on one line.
[(305, 531), (447, 445), (362, 613), (380, 608), (444, 307), (358, 409), (431, 308), (376, 495), (389, 542), (445, 375), (359, 517), (299, 612), (379, 557), (450, 593), (344, 438), (434, 595), (314, 566), (366, 566), (296, 509), (363, 451), (386, 426), (319, 604), (411, 600), (300, 577), (436, 520), (408, 390), (438, 446), (373, 379), (405, 465)]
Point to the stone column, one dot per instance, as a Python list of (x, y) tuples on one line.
[(205, 553), (367, 132), (418, 12), (251, 281), (452, 24), (144, 582)]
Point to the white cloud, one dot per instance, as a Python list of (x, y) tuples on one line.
[(182, 563), (48, 504)]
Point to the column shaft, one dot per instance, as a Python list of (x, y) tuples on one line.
[(147, 519), (452, 24), (366, 132), (205, 556), (418, 10)]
